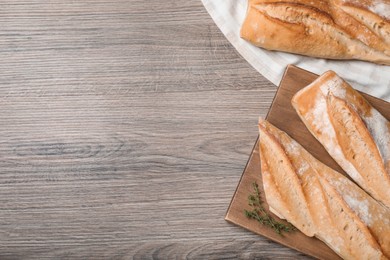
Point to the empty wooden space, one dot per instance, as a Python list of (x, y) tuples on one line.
[(124, 129)]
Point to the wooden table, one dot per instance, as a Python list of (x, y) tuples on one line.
[(125, 127)]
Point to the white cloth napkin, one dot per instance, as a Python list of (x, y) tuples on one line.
[(364, 76)]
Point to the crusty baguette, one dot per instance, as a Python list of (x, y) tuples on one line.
[(334, 29), (352, 223), (355, 134), (291, 204)]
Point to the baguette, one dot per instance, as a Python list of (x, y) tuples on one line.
[(354, 133), (333, 29), (331, 207)]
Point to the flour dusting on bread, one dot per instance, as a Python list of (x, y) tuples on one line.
[(381, 8), (339, 212), (379, 129), (361, 207), (354, 133)]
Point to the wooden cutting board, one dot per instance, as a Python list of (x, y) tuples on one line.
[(283, 116)]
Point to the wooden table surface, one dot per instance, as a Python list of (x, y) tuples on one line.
[(125, 127)]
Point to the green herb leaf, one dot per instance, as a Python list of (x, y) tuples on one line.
[(260, 214)]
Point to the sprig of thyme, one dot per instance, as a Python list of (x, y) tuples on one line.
[(258, 213)]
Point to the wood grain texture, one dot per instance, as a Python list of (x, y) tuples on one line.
[(125, 127)]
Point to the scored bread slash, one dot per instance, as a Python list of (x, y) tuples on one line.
[(320, 201), (354, 133), (291, 203), (337, 29)]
